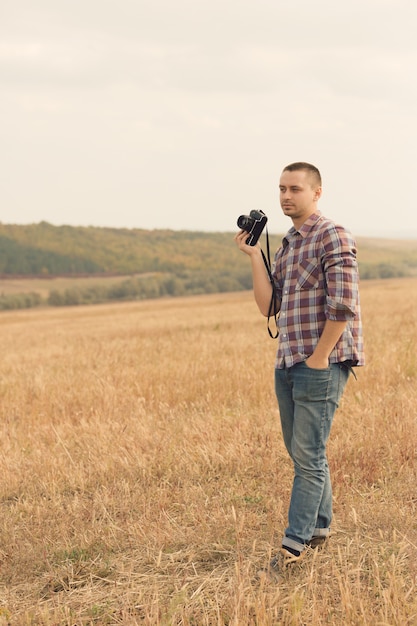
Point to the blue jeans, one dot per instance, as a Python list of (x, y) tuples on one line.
[(307, 400)]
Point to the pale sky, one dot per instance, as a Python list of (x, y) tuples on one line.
[(181, 114)]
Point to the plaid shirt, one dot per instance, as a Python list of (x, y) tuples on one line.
[(316, 277)]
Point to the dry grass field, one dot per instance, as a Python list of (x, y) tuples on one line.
[(144, 479)]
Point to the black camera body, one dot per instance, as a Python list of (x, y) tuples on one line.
[(254, 223)]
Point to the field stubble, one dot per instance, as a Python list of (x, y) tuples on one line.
[(144, 478)]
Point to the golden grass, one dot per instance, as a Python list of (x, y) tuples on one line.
[(144, 478)]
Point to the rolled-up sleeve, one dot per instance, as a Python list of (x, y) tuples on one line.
[(341, 274)]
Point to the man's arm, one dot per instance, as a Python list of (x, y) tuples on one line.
[(341, 271), (262, 288), (331, 334)]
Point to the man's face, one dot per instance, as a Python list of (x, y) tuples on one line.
[(298, 195)]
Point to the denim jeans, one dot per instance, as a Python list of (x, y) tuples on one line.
[(307, 400)]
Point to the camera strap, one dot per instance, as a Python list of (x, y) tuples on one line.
[(272, 311)]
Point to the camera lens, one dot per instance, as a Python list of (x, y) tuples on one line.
[(244, 222)]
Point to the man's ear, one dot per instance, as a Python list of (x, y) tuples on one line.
[(317, 194)]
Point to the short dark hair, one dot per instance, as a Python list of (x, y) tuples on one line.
[(301, 165)]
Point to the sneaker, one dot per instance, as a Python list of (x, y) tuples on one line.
[(282, 559), (291, 557), (317, 542)]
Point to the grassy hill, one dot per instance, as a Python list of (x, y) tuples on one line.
[(65, 265)]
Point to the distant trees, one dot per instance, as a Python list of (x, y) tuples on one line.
[(25, 260), (151, 286), (157, 263), (382, 270), (19, 301), (46, 250)]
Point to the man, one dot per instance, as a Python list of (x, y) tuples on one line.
[(315, 278)]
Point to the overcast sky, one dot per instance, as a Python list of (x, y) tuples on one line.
[(181, 114)]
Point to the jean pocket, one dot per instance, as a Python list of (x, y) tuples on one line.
[(316, 369), (312, 385)]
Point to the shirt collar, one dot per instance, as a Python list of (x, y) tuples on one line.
[(304, 229)]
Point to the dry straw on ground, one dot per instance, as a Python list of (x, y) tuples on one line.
[(144, 479)]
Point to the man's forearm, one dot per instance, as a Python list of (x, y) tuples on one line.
[(331, 334)]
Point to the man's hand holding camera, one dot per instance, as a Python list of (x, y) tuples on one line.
[(241, 239)]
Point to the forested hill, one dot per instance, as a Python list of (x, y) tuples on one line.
[(47, 250), (43, 249), (151, 263)]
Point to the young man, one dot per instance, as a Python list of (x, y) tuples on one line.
[(320, 339)]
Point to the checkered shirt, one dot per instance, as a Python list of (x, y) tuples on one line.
[(316, 277)]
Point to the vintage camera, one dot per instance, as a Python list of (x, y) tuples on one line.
[(254, 223)]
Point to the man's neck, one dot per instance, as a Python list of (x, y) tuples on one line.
[(298, 222)]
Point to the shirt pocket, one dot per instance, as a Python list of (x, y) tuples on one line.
[(308, 274)]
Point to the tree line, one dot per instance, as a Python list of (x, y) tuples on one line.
[(155, 263)]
